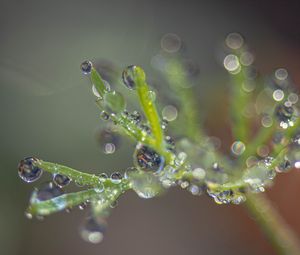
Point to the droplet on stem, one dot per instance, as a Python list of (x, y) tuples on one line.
[(86, 67), (147, 159), (28, 171)]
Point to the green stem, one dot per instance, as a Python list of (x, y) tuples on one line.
[(273, 225), (149, 108)]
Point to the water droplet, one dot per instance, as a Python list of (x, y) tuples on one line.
[(45, 192), (184, 184), (238, 148), (293, 98), (199, 173), (146, 128), (86, 67), (278, 95), (283, 166), (136, 117), (151, 95), (246, 58), (234, 41), (109, 141), (28, 171), (93, 230), (259, 175), (129, 171), (231, 63), (145, 184), (116, 177), (164, 124), (103, 176), (170, 143), (61, 180), (180, 159), (284, 115), (169, 112), (194, 190), (281, 74), (267, 121), (104, 115), (128, 77), (170, 43), (263, 151), (82, 206), (147, 159)]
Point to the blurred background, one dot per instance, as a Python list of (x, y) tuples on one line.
[(47, 110)]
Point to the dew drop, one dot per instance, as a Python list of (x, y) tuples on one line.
[(170, 43), (108, 141), (82, 206), (147, 159), (238, 148), (128, 77), (247, 58), (267, 121), (234, 41), (281, 74), (293, 98), (151, 95), (169, 112), (104, 115), (116, 177), (86, 67), (164, 124), (130, 171), (199, 173), (278, 95), (284, 115), (61, 180), (145, 184), (136, 117), (231, 63), (27, 170), (93, 230), (283, 166)]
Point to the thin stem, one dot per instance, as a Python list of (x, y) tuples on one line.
[(43, 208), (273, 225), (148, 106)]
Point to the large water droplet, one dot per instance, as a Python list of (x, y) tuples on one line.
[(28, 171), (146, 185), (61, 180), (86, 67), (147, 159), (128, 77), (93, 230)]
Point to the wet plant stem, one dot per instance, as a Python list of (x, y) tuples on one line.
[(280, 235)]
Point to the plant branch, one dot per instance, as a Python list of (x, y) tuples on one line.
[(283, 239)]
